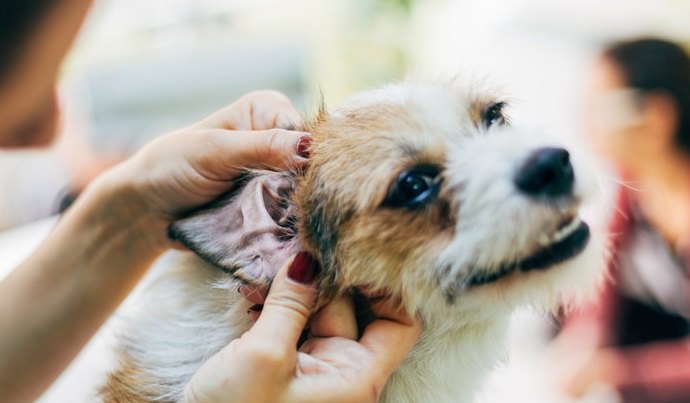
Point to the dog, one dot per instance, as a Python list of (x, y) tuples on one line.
[(424, 191)]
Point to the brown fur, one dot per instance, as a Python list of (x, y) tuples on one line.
[(341, 193), (411, 253)]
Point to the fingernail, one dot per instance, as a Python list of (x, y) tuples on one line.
[(303, 268), (303, 147)]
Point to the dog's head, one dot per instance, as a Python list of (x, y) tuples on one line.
[(428, 193)]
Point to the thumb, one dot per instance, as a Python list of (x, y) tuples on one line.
[(290, 301)]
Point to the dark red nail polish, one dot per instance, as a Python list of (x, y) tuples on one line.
[(303, 147), (303, 268)]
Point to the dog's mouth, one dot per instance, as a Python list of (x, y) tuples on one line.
[(569, 239)]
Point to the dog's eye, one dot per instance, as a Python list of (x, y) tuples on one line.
[(415, 187), (494, 114)]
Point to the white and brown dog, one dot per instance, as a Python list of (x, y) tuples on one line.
[(423, 191)]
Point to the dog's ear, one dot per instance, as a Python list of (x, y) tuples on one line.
[(249, 232)]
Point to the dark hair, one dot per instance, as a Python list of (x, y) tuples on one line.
[(18, 19), (657, 65)]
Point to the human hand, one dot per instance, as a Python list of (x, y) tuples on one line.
[(264, 365), (192, 166)]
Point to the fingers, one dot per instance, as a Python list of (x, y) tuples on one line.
[(274, 149), (220, 155), (390, 337), (259, 110), (274, 109), (389, 309), (336, 319), (290, 302)]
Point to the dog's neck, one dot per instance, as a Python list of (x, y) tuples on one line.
[(450, 362)]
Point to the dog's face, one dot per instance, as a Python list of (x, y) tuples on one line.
[(428, 193), (425, 192)]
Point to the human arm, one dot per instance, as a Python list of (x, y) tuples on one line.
[(53, 303)]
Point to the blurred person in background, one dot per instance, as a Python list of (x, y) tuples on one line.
[(53, 303), (636, 337)]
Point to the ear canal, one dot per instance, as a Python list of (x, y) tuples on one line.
[(249, 232)]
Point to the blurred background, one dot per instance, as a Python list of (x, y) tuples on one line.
[(144, 67)]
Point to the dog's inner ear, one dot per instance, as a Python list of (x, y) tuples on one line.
[(249, 232)]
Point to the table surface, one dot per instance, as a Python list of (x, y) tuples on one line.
[(521, 380)]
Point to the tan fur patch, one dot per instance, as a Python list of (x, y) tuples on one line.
[(356, 158), (477, 109), (128, 385)]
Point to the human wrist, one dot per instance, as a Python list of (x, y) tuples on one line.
[(114, 203)]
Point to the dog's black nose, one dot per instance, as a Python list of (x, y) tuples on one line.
[(546, 173)]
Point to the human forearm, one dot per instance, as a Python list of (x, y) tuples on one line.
[(56, 300)]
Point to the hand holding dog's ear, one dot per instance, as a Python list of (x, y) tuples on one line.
[(259, 110), (110, 236), (192, 166), (264, 365)]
